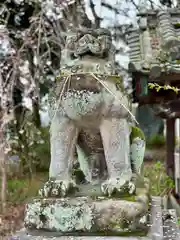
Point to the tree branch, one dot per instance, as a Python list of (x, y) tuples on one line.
[(135, 5), (110, 7), (96, 17)]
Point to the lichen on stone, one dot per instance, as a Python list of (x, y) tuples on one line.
[(87, 214), (32, 215), (60, 215)]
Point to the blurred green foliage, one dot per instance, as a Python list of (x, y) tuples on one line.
[(157, 141), (160, 182)]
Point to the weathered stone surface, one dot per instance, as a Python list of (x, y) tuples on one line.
[(87, 216), (170, 225)]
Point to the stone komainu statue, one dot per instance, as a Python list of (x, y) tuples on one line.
[(85, 102)]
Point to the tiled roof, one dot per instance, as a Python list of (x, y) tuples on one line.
[(155, 45)]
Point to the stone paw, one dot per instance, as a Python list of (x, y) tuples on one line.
[(58, 188), (117, 186)]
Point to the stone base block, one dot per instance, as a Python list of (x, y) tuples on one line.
[(80, 238), (22, 235), (81, 216)]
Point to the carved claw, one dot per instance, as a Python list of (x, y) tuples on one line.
[(117, 185), (57, 188)]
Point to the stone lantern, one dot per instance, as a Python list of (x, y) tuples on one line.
[(155, 59)]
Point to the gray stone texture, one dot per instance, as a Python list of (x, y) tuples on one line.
[(87, 215), (156, 40)]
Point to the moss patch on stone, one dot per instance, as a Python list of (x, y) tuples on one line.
[(136, 132), (139, 233)]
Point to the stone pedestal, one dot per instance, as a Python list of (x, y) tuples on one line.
[(87, 216), (90, 217)]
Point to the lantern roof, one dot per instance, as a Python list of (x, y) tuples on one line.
[(155, 43)]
